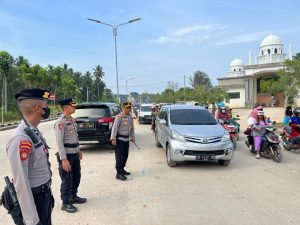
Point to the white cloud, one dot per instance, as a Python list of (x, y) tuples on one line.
[(197, 33)]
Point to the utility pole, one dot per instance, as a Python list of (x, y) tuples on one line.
[(184, 88), (87, 94)]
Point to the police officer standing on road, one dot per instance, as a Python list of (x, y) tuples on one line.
[(122, 132), (28, 156), (69, 156)]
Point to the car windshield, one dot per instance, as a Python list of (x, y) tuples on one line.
[(91, 112), (146, 108), (192, 117)]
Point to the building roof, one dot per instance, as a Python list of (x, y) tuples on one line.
[(236, 62)]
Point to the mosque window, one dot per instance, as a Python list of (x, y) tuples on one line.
[(239, 69), (234, 70), (269, 51), (262, 52), (234, 95), (275, 51)]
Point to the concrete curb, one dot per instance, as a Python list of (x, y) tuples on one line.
[(14, 125)]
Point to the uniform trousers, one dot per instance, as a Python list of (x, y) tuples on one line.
[(44, 204), (70, 180), (121, 154)]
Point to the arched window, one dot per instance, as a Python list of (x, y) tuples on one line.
[(239, 69), (269, 51), (234, 70), (262, 52), (275, 51)]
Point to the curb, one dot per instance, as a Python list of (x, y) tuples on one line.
[(10, 126)]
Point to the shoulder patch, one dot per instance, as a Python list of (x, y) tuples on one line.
[(25, 147), (60, 125)]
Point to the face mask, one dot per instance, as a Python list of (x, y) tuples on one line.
[(223, 111), (47, 113)]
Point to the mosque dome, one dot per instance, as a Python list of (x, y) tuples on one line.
[(271, 39), (236, 62)]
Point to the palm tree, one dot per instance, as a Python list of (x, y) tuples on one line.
[(6, 63), (99, 74)]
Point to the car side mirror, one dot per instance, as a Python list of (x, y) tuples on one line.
[(163, 121)]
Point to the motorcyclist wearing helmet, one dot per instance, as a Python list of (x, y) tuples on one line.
[(256, 131), (295, 124), (222, 113)]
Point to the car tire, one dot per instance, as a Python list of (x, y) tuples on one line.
[(224, 162), (169, 160), (157, 143)]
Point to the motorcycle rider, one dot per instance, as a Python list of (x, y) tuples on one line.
[(295, 124), (222, 113), (256, 131)]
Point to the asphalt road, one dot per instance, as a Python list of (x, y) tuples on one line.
[(249, 191)]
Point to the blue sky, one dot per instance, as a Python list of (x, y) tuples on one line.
[(173, 39)]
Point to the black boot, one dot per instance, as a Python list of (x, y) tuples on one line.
[(124, 172), (78, 200), (69, 208), (120, 176)]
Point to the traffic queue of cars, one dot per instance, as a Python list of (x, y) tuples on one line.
[(185, 132)]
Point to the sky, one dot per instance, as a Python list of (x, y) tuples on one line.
[(173, 39)]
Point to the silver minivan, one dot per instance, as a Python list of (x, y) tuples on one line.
[(191, 133)]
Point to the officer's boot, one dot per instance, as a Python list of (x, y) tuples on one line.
[(77, 200), (68, 207), (124, 172), (120, 175)]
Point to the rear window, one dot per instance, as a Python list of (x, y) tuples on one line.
[(146, 108), (92, 112), (192, 117)]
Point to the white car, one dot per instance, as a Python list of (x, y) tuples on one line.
[(144, 113)]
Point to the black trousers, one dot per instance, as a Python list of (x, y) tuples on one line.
[(121, 154), (70, 180), (44, 203)]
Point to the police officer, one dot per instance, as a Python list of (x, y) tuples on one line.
[(69, 156), (29, 159), (122, 132)]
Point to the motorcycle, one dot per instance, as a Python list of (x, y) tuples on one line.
[(232, 130), (286, 139), (270, 147)]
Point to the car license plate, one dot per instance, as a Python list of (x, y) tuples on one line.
[(205, 157), (86, 125)]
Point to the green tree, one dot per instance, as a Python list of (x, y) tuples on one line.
[(200, 78), (98, 74), (289, 80)]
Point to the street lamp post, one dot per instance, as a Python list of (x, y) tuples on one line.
[(126, 80), (115, 32)]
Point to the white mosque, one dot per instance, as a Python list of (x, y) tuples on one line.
[(242, 81)]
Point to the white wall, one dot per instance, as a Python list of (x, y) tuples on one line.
[(237, 103)]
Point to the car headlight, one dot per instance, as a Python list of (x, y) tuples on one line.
[(226, 137), (177, 137)]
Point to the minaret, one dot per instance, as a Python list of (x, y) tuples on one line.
[(255, 58), (250, 57), (290, 52)]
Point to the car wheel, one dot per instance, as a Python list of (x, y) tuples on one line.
[(224, 162), (169, 160), (157, 143)]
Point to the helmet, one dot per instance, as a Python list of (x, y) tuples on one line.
[(296, 111), (220, 104), (223, 109), (260, 113)]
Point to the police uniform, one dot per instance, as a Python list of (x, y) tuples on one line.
[(122, 132), (30, 168), (68, 148)]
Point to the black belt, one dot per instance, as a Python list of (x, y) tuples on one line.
[(68, 145), (41, 189), (122, 136)]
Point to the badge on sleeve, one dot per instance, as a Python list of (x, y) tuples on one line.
[(25, 147), (60, 125)]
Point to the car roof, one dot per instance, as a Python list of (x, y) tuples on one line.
[(97, 104), (174, 107), (146, 104)]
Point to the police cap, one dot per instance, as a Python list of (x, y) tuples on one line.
[(68, 101), (34, 93), (126, 104)]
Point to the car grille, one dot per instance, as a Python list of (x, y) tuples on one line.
[(203, 140), (147, 117), (191, 152)]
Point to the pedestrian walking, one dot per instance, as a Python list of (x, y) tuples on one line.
[(122, 133), (28, 157), (68, 156)]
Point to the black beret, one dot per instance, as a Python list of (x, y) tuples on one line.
[(34, 93), (67, 101), (126, 104)]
